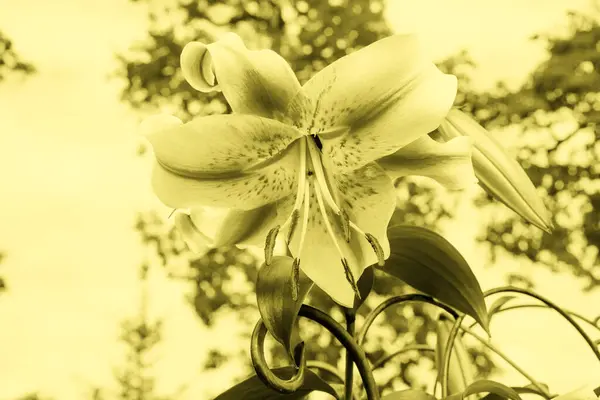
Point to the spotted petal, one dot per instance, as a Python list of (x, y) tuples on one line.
[(368, 197), (256, 82), (448, 163), (388, 95), (239, 161)]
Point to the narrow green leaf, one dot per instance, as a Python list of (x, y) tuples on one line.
[(429, 263), (496, 390), (409, 394), (277, 308), (253, 388), (529, 389), (365, 284), (498, 304)]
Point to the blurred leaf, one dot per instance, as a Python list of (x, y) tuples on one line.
[(494, 388), (429, 263), (365, 284), (274, 296), (254, 389), (409, 394)]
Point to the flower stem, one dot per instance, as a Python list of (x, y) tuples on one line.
[(448, 354), (357, 354), (350, 315), (550, 304), (360, 338)]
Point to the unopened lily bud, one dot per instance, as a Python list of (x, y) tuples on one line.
[(498, 173), (588, 392), (461, 371)]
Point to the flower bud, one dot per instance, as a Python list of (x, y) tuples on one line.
[(499, 174), (461, 371)]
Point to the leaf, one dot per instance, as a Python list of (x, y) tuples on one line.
[(274, 297), (497, 391), (409, 394), (254, 389), (498, 304), (429, 263), (365, 284)]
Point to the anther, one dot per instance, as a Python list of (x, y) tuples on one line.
[(293, 224), (376, 248), (270, 244), (350, 278), (295, 278), (345, 221)]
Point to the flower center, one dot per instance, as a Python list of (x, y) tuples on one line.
[(312, 177)]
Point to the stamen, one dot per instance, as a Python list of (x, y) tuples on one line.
[(326, 219), (350, 278), (270, 244), (376, 248), (320, 174), (299, 194), (171, 213), (295, 278)]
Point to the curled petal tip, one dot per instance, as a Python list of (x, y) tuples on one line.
[(197, 68)]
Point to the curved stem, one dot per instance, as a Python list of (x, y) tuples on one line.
[(350, 315), (507, 359), (264, 373), (360, 338), (448, 354), (417, 347), (550, 304), (515, 307), (357, 354)]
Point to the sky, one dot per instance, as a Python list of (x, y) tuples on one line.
[(71, 185)]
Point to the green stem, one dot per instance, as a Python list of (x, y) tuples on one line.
[(550, 304), (417, 347), (360, 338), (356, 352), (350, 315), (508, 360), (448, 354)]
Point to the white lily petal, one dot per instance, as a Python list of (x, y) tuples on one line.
[(448, 163), (258, 82), (196, 241), (244, 191), (219, 144)]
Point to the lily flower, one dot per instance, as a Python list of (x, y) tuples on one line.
[(314, 164), (498, 173)]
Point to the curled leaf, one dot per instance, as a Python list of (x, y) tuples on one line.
[(277, 308), (429, 263), (254, 389)]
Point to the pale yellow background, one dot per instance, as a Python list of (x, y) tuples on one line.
[(70, 185)]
